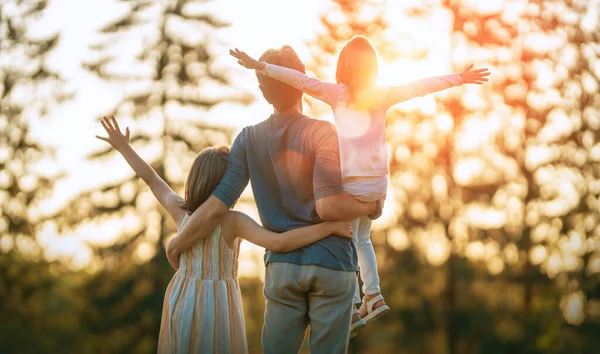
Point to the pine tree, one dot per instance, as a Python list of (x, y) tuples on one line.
[(542, 212), (32, 298), (488, 228), (169, 85)]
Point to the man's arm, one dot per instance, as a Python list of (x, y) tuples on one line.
[(199, 225), (211, 213), (332, 203), (343, 206)]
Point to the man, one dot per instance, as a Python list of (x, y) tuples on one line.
[(293, 164)]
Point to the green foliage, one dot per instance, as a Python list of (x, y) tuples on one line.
[(165, 84), (33, 300), (503, 287), (522, 150), (21, 184)]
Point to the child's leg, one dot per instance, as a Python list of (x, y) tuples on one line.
[(373, 305), (355, 227), (357, 321), (366, 257)]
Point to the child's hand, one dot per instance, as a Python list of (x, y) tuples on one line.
[(246, 61), (115, 137), (341, 228), (477, 77)]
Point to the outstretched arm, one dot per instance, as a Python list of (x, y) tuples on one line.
[(161, 190), (397, 94), (327, 92), (248, 229)]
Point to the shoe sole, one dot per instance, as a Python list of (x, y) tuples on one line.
[(375, 314), (356, 326)]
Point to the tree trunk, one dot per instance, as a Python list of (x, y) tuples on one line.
[(451, 306)]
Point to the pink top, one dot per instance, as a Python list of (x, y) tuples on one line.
[(361, 124)]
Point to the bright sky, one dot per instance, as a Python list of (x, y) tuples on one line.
[(71, 128), (75, 138)]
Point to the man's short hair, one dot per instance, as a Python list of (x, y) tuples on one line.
[(280, 95)]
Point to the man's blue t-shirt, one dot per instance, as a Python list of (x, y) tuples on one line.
[(291, 161)]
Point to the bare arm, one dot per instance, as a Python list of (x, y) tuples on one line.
[(248, 229), (332, 203), (343, 206), (200, 225), (161, 190), (170, 200)]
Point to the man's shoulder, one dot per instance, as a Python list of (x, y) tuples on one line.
[(299, 122), (301, 125), (315, 125), (249, 129)]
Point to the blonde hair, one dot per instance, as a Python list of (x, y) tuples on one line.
[(207, 171), (357, 65)]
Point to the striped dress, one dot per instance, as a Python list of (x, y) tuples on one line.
[(202, 310)]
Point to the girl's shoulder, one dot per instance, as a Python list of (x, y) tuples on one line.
[(229, 227)]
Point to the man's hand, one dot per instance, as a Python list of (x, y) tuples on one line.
[(172, 256), (477, 77), (379, 211), (246, 61)]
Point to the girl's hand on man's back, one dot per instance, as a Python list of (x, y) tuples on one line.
[(115, 138)]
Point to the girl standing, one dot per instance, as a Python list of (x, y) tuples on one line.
[(202, 310)]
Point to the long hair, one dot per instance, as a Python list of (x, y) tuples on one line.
[(206, 172), (357, 65)]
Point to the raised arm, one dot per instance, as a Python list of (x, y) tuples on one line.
[(248, 229), (327, 92), (211, 213), (332, 203), (397, 94), (161, 190)]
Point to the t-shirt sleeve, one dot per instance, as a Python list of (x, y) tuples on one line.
[(327, 176), (236, 177)]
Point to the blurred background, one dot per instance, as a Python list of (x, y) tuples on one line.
[(490, 239)]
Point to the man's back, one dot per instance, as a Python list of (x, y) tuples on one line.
[(291, 160)]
